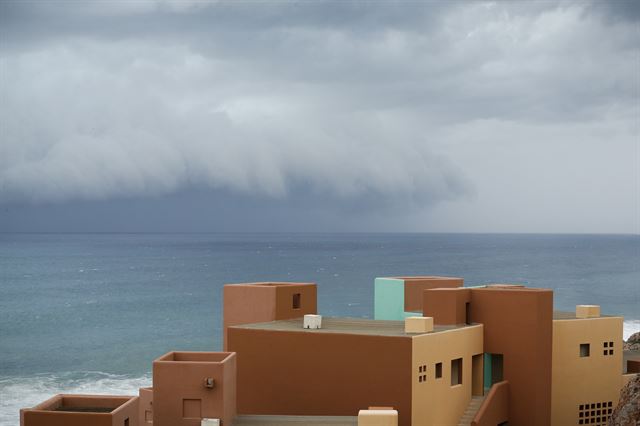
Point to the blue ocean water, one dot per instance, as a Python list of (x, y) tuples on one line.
[(89, 312)]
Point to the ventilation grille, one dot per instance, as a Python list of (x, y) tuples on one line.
[(595, 413)]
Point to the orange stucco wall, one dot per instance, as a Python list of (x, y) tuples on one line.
[(325, 374)]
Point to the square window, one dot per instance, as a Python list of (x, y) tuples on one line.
[(420, 379), (609, 404), (585, 349), (296, 301), (599, 405), (610, 351), (610, 344), (439, 370), (606, 344), (581, 407), (605, 352), (581, 422)]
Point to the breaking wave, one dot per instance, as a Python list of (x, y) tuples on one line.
[(21, 392)]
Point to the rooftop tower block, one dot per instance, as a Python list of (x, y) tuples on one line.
[(267, 301), (399, 297), (190, 386)]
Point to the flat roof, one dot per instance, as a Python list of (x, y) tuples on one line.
[(295, 421), (348, 326), (567, 315)]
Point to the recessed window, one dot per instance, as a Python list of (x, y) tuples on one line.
[(585, 350), (456, 372), (126, 421), (608, 348), (423, 376), (296, 301), (439, 370)]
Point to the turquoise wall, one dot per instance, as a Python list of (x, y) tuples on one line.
[(388, 303)]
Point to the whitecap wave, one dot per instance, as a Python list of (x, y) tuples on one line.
[(630, 327), (21, 392)]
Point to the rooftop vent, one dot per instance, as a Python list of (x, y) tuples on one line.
[(418, 324), (377, 417), (313, 322), (588, 311)]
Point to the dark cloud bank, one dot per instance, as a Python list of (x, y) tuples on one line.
[(203, 115)]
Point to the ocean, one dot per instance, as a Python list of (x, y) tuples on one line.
[(89, 312)]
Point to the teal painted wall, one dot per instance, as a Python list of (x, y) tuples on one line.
[(487, 371), (388, 299)]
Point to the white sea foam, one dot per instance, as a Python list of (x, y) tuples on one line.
[(630, 327), (21, 392)]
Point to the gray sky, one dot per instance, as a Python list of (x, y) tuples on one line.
[(320, 116)]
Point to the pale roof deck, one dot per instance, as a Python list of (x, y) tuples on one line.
[(348, 326), (566, 315), (294, 421)]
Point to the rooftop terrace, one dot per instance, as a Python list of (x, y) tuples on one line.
[(347, 326), (564, 315), (294, 421)]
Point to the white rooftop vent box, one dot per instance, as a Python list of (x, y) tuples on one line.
[(312, 321)]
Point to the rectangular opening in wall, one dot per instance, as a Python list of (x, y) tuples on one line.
[(439, 370), (467, 313), (126, 421), (497, 367), (296, 301), (456, 371), (585, 350), (477, 388)]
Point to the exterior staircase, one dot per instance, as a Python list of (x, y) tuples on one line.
[(470, 412)]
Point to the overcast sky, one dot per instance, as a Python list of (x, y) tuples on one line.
[(182, 115)]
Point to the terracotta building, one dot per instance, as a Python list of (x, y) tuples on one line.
[(436, 354), (349, 364), (83, 410)]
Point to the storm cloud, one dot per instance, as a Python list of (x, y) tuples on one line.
[(408, 104)]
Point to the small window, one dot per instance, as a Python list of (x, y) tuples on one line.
[(456, 372), (296, 301), (439, 370), (584, 350), (126, 421)]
